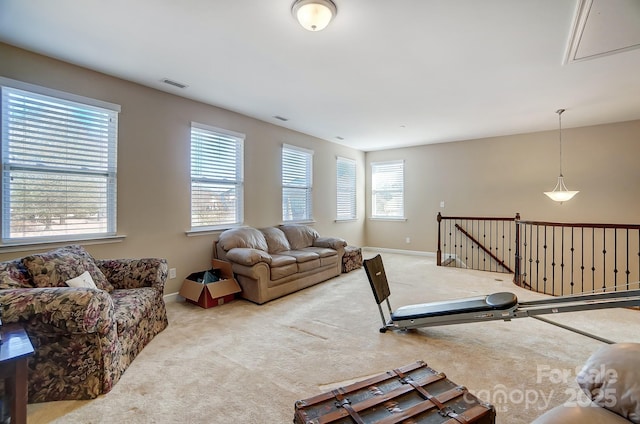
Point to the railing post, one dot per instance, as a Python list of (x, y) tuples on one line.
[(517, 276), (439, 251)]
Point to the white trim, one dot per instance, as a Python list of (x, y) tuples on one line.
[(33, 245), (173, 298), (218, 130), (301, 149)]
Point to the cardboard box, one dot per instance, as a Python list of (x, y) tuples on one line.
[(211, 294)]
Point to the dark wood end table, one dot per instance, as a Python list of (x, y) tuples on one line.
[(14, 353)]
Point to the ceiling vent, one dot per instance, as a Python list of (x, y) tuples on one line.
[(174, 83), (281, 118)]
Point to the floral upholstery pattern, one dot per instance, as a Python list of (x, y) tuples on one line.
[(352, 258), (54, 268), (84, 339)]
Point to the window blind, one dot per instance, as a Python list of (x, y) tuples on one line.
[(296, 183), (58, 167), (345, 188), (217, 187), (387, 189)]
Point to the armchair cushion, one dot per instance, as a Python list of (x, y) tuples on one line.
[(54, 268)]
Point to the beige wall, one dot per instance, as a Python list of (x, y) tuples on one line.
[(504, 175), (153, 165), (489, 177)]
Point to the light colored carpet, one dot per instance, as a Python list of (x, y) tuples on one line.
[(244, 363)]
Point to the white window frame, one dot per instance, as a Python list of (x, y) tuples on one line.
[(224, 149), (59, 141), (298, 180), (346, 208), (387, 180)]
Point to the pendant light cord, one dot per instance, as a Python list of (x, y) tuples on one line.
[(559, 112)]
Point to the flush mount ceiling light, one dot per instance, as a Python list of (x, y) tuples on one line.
[(560, 192), (314, 15)]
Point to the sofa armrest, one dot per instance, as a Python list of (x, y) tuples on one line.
[(248, 257), (330, 242), (135, 273), (72, 310)]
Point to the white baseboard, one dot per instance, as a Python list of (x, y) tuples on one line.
[(402, 251), (173, 297)]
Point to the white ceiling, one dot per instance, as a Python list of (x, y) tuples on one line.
[(384, 74)]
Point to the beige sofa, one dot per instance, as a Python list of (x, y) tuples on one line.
[(610, 379), (273, 262)]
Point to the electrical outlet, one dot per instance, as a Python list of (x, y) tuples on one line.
[(172, 273), (407, 240), (442, 203)]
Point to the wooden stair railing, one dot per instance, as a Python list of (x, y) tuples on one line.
[(547, 257), (484, 249)]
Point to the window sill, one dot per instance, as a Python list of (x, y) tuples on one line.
[(205, 231), (306, 222), (379, 218), (37, 245)]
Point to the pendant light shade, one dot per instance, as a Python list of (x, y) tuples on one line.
[(560, 193), (314, 15)]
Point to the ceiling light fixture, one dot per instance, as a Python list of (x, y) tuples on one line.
[(560, 192), (314, 15)]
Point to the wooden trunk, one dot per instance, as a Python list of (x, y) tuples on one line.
[(411, 394)]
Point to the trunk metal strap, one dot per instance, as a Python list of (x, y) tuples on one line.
[(444, 410), (346, 404)]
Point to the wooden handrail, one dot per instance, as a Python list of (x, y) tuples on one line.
[(573, 225)]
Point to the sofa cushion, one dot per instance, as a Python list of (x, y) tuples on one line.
[(323, 252), (248, 257), (247, 237), (54, 268), (283, 271), (299, 236), (301, 255), (611, 379), (281, 260), (309, 265), (276, 239)]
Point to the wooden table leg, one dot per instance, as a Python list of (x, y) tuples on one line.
[(15, 384), (19, 407)]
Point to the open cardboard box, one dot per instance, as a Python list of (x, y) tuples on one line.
[(211, 294)]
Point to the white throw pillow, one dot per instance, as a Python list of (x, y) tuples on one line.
[(82, 280)]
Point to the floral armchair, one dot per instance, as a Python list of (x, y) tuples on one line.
[(84, 337)]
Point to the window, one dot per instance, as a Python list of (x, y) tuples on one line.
[(296, 183), (345, 188), (58, 165), (387, 190), (217, 186)]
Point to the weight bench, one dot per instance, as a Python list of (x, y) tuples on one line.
[(497, 306)]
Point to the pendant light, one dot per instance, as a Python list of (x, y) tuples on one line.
[(560, 192), (314, 15)]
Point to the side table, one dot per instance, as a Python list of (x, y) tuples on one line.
[(14, 353)]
